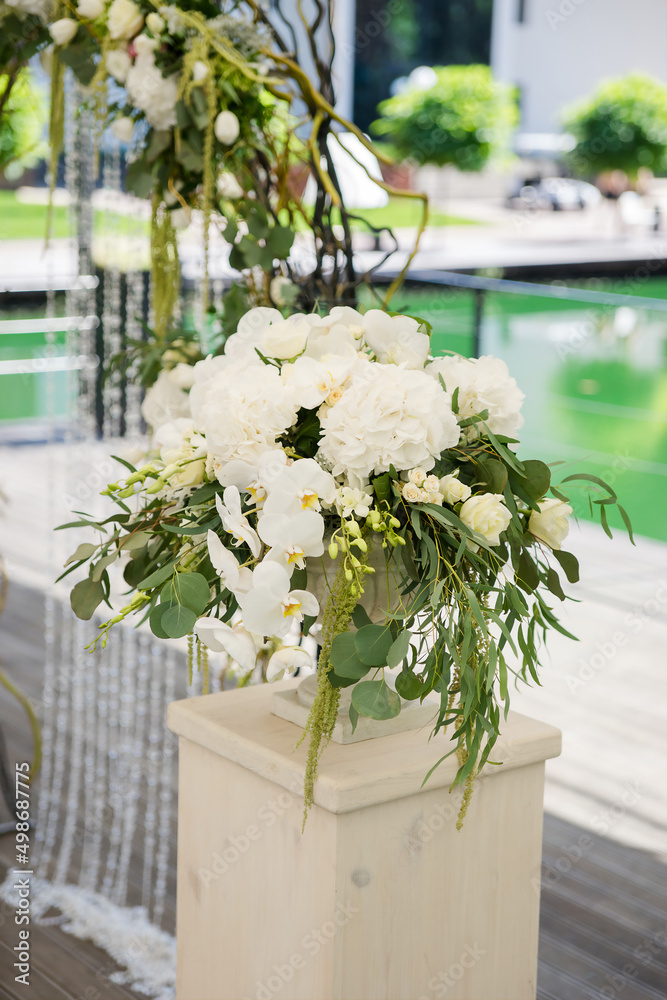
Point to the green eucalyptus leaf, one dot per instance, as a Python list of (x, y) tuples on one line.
[(354, 717), (569, 564), (101, 565), (360, 616), (373, 643), (408, 685), (375, 700), (191, 590), (157, 577), (137, 540), (398, 649), (345, 659), (84, 551), (85, 597), (155, 619), (178, 621)]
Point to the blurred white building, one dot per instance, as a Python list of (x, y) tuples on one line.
[(556, 51)]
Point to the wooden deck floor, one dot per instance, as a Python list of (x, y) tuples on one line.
[(603, 931)]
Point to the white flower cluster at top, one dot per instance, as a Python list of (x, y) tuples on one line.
[(381, 403)]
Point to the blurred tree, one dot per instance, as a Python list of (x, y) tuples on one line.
[(393, 37), (622, 126), (463, 118), (22, 123)]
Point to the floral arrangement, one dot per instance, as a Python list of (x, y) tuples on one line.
[(326, 475), (203, 95)]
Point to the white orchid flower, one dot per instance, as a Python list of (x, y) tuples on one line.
[(287, 660), (270, 607), (300, 487), (220, 637), (234, 521), (236, 578), (293, 538), (316, 382), (254, 478)]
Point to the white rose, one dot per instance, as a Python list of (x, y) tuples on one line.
[(228, 186), (153, 93), (416, 476), (395, 339), (487, 515), (454, 491), (550, 525), (285, 340), (431, 484), (123, 129), (124, 19), (144, 44), (91, 9), (118, 64), (63, 31), (411, 493), (388, 416), (484, 384), (433, 497), (155, 23), (227, 128), (165, 400), (199, 71)]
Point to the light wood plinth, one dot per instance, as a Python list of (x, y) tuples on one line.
[(380, 898)]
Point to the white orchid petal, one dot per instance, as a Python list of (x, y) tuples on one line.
[(287, 660)]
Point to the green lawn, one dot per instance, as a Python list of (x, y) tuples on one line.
[(19, 221)]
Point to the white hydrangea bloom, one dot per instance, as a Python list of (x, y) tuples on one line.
[(167, 399), (395, 340), (155, 94), (389, 416), (484, 384)]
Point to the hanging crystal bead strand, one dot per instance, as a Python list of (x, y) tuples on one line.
[(137, 750), (155, 729), (111, 315), (115, 787), (167, 779), (134, 310)]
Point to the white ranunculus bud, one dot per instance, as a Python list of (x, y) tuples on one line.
[(124, 19), (487, 515), (123, 129), (145, 45), (155, 23), (199, 71), (63, 31), (454, 491), (118, 64), (550, 525), (411, 493), (180, 218), (416, 476), (226, 127), (90, 9), (228, 186)]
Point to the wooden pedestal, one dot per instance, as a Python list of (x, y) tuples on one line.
[(380, 898)]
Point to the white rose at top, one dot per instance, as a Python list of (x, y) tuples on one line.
[(124, 19), (118, 64), (167, 398), (63, 31), (551, 524), (91, 9), (388, 416), (484, 384), (395, 339), (453, 491)]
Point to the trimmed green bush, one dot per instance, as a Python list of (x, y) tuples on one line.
[(622, 126), (464, 118)]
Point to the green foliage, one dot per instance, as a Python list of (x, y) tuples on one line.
[(464, 118), (376, 700), (22, 124), (622, 126)]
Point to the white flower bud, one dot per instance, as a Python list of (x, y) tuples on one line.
[(90, 9), (227, 127), (63, 31), (123, 129), (155, 23), (228, 186), (118, 64), (199, 71)]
